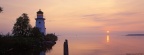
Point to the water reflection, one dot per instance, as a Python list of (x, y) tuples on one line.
[(31, 51), (101, 45), (108, 38)]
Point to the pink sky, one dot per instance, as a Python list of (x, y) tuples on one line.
[(77, 17)]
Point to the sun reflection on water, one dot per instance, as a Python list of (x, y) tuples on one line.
[(108, 38)]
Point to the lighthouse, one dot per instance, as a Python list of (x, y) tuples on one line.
[(40, 22)]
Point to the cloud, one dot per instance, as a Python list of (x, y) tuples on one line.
[(126, 13), (51, 20), (91, 16), (100, 17), (115, 18)]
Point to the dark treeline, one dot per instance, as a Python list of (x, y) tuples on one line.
[(1, 9), (25, 38)]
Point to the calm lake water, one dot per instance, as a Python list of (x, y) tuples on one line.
[(100, 45)]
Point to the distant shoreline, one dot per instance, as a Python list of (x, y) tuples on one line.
[(135, 35)]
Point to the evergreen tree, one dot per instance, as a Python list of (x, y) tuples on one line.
[(22, 26)]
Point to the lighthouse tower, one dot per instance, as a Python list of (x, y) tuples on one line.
[(40, 22)]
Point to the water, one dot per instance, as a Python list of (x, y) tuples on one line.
[(100, 45)]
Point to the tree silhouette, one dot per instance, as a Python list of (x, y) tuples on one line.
[(36, 33), (22, 26), (1, 9), (51, 37)]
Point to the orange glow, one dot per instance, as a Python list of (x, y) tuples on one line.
[(108, 31), (78, 15), (108, 38)]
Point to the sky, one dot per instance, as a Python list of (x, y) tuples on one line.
[(77, 17)]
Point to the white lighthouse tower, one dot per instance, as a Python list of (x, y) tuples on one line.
[(40, 23)]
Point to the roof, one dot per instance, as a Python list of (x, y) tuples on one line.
[(39, 12)]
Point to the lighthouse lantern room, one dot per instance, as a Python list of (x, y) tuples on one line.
[(40, 23)]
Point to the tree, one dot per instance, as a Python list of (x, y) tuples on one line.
[(51, 37), (22, 26), (1, 9), (36, 32)]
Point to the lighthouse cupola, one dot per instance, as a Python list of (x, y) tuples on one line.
[(40, 14), (40, 23)]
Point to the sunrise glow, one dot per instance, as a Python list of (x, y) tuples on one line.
[(108, 38), (77, 16), (82, 27), (108, 32)]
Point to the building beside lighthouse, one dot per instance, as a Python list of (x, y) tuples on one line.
[(40, 22)]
